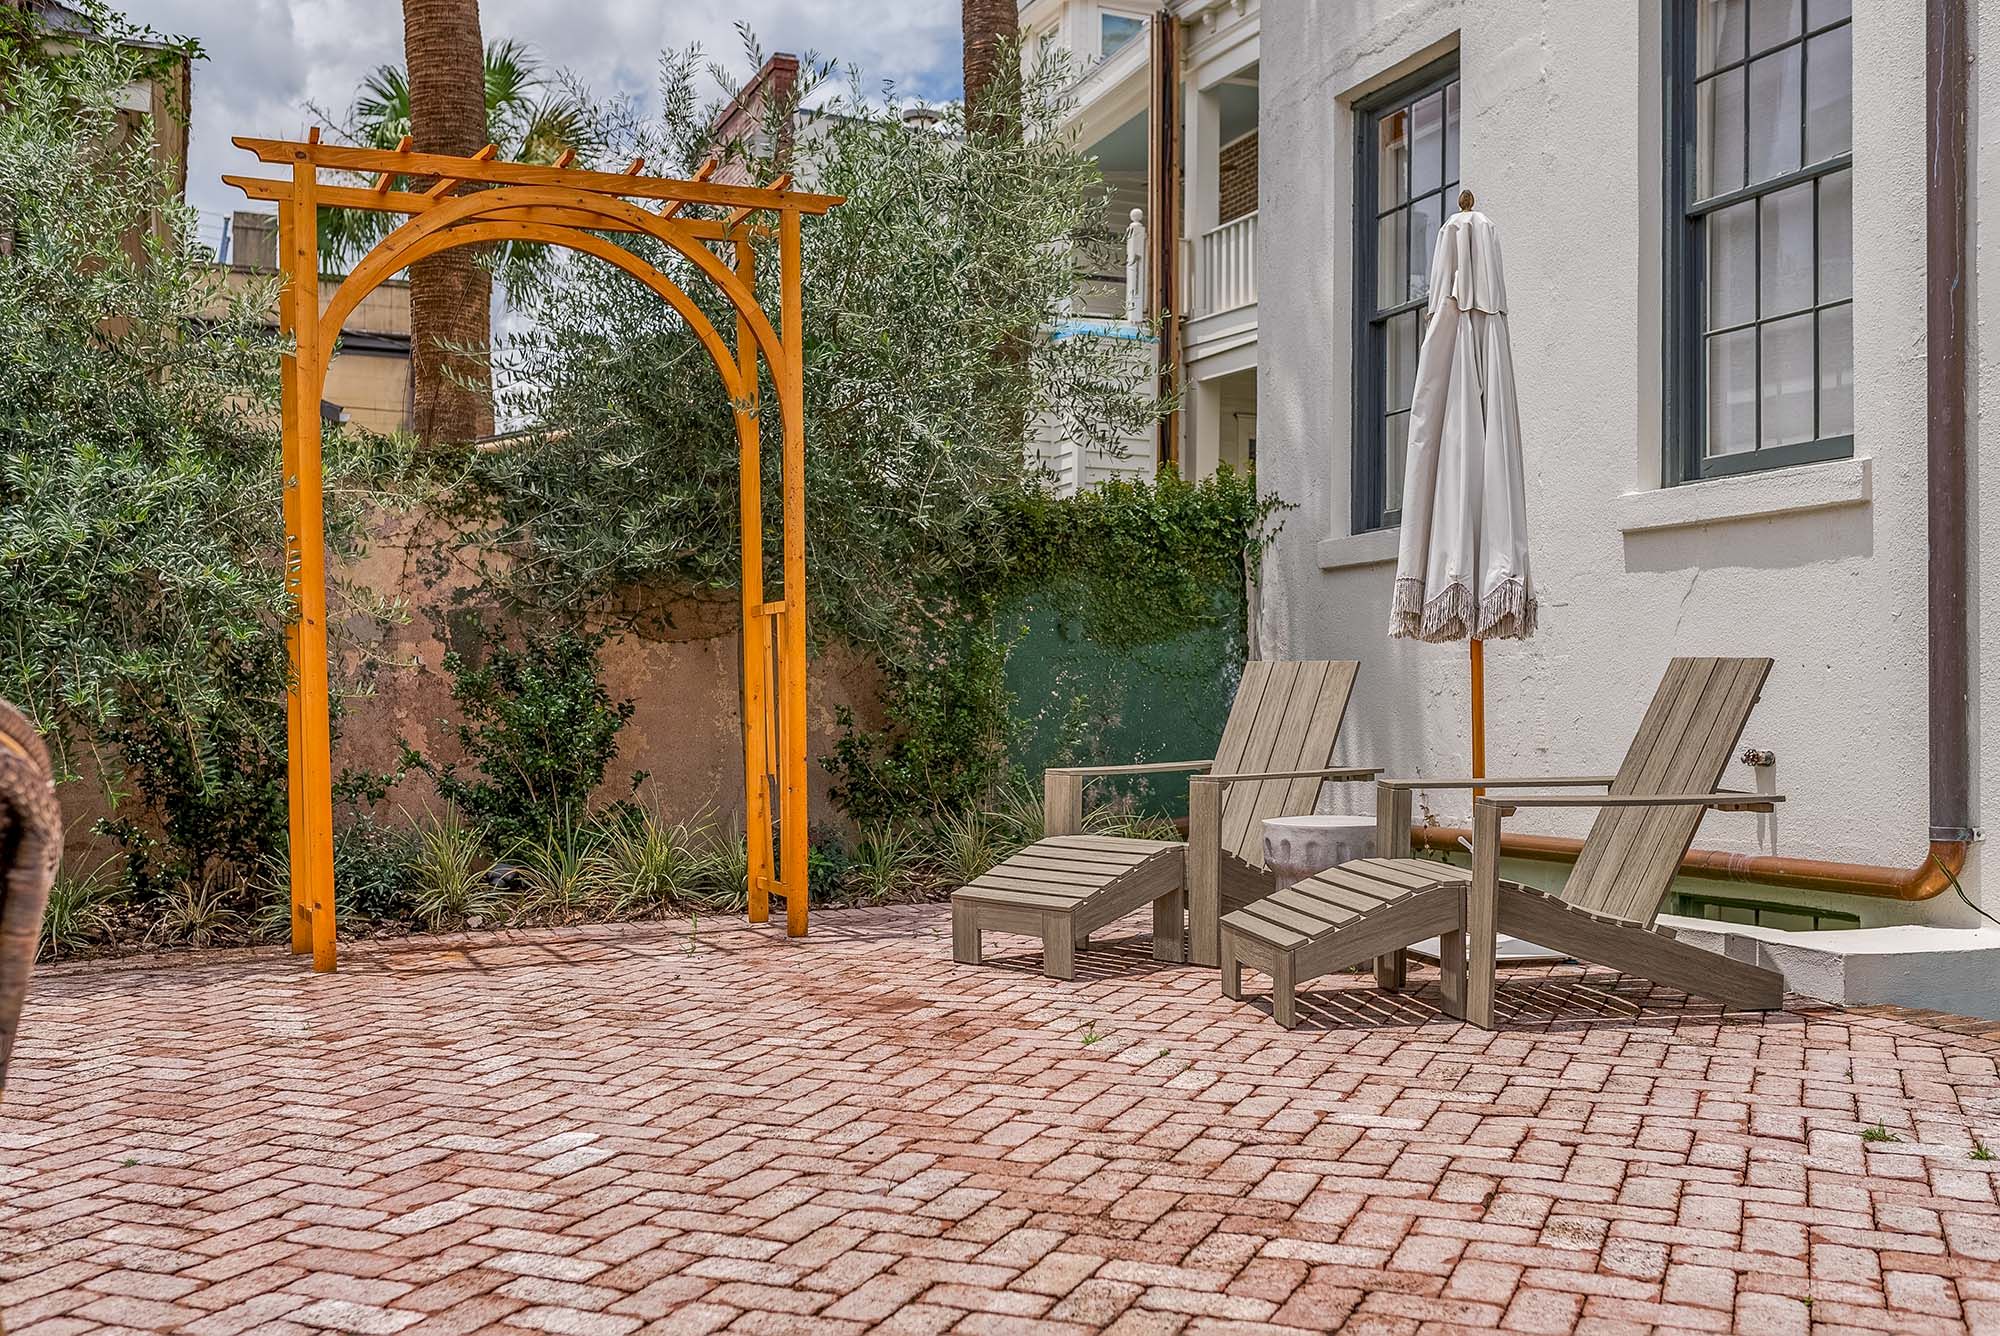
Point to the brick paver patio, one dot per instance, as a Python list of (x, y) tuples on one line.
[(628, 1129)]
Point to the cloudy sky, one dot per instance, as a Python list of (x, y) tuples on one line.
[(268, 58)]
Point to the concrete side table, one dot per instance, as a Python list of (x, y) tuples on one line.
[(1295, 847)]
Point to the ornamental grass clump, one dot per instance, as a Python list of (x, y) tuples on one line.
[(1017, 813), (724, 878), (560, 879), (201, 914), (78, 910), (1123, 821), (447, 872), (649, 865), (886, 865), (970, 843)]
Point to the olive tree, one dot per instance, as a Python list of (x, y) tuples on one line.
[(141, 596), (927, 295)]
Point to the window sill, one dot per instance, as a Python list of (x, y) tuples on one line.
[(1377, 547), (1748, 496)]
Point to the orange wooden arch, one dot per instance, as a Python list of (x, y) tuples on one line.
[(576, 209)]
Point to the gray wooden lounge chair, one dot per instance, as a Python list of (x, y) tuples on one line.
[(1276, 751), (1606, 911)]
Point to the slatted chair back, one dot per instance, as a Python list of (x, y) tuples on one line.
[(1684, 742), (1286, 717)]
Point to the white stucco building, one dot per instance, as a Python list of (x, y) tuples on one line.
[(1714, 222)]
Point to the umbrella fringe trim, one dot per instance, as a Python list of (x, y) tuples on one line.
[(1508, 613)]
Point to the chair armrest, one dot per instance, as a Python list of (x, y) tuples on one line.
[(1501, 782), (1148, 768), (1330, 773), (1482, 891), (1062, 789), (1723, 801)]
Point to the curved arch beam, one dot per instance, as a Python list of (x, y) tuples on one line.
[(468, 234), (393, 252)]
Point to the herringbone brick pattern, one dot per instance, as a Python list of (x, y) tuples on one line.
[(625, 1129)]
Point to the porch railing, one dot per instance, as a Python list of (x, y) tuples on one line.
[(1226, 266)]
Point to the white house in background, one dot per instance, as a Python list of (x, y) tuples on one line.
[(1179, 154), (1745, 419)]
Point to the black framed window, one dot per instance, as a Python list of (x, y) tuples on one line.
[(1760, 338), (1406, 171)]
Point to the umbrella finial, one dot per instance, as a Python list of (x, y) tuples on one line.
[(1465, 201)]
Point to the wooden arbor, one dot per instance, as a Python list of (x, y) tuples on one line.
[(470, 200)]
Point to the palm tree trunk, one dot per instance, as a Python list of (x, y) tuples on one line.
[(991, 28), (451, 293)]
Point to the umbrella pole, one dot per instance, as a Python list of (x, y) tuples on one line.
[(1478, 650)]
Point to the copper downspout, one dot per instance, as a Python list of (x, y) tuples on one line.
[(1945, 78), (1950, 665), (1806, 874)]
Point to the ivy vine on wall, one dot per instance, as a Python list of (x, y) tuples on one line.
[(1136, 563)]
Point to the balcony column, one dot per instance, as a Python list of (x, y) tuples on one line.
[(1201, 424), (1204, 428), (1202, 204)]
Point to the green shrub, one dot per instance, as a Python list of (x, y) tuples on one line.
[(217, 792), (142, 591), (140, 602), (1132, 563), (371, 872), (828, 862), (538, 730), (949, 736)]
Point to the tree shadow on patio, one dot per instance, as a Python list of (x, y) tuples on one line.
[(1107, 959), (1544, 998)]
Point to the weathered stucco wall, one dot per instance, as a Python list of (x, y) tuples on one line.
[(682, 676), (1562, 144), (682, 673)]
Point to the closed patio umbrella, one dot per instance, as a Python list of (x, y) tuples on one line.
[(1462, 568)]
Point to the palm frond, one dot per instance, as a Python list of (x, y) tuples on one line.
[(559, 120), (533, 115), (381, 113), (513, 74)]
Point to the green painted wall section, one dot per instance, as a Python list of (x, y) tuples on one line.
[(1078, 700)]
